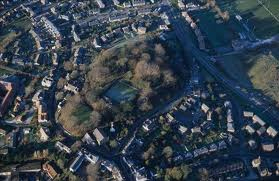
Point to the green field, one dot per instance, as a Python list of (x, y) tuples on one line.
[(219, 35), (259, 20), (121, 92), (254, 70), (82, 113)]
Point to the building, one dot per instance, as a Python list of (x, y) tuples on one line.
[(267, 146), (7, 93), (230, 127), (91, 158), (141, 30), (100, 4), (44, 134), (257, 119), (88, 139), (252, 144), (271, 132), (248, 114), (51, 28), (115, 2), (100, 137), (44, 2), (42, 113), (118, 17), (228, 167), (71, 88), (47, 81), (256, 162), (2, 132), (77, 162), (50, 170), (62, 147), (138, 3), (250, 129), (204, 108)]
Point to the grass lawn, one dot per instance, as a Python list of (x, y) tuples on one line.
[(218, 34), (259, 19), (82, 113), (121, 92), (234, 66)]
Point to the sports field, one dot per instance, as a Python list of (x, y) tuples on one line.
[(262, 16), (121, 92)]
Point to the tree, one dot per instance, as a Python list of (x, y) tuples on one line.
[(169, 79), (95, 119), (59, 96), (145, 57), (100, 106), (68, 66), (76, 146), (203, 174), (98, 75), (174, 173), (61, 83), (186, 170), (147, 71), (74, 74), (113, 143), (159, 50), (167, 151), (150, 151)]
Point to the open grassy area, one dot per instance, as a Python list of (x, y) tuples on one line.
[(254, 70), (218, 34), (259, 20), (82, 113), (121, 92)]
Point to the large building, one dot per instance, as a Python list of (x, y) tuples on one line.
[(7, 92)]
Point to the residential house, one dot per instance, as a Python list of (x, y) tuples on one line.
[(62, 147), (44, 134), (271, 132), (100, 4), (77, 162), (248, 114), (204, 108), (141, 30), (267, 146), (115, 2), (2, 132), (182, 129), (91, 158), (100, 136), (250, 129), (257, 119), (256, 162), (138, 3), (47, 81), (252, 144), (88, 139), (71, 88), (148, 125), (50, 170)]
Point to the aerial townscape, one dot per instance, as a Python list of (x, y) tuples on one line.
[(139, 90)]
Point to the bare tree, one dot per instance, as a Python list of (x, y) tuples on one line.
[(159, 50)]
